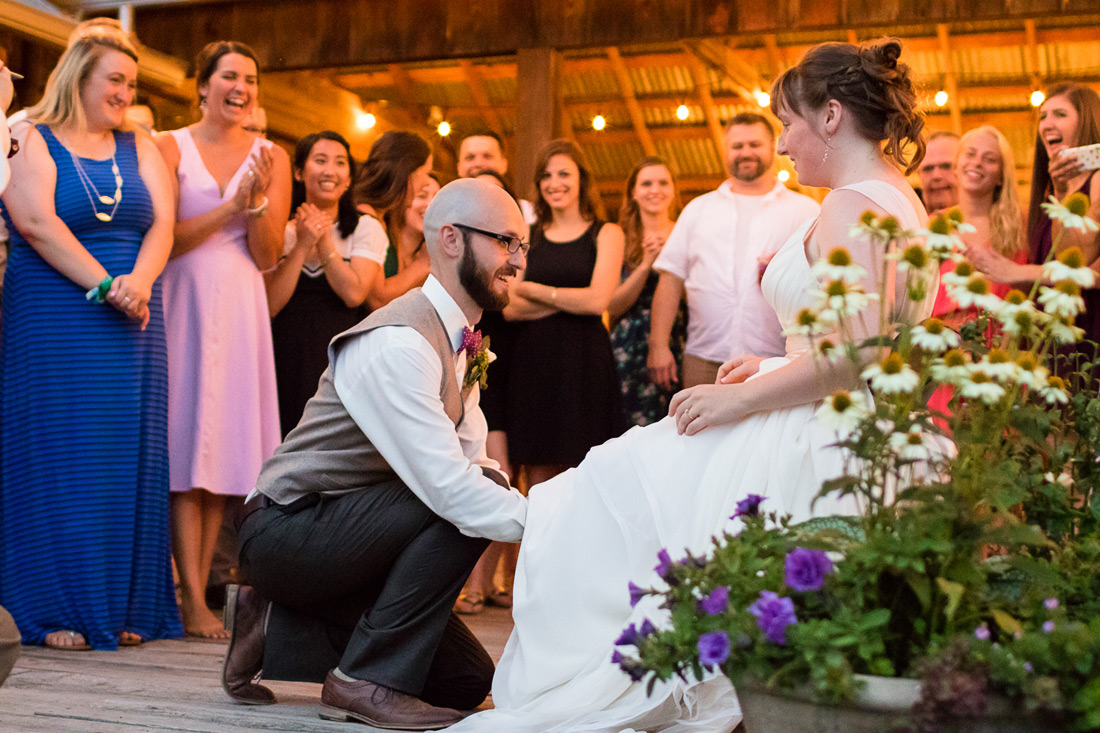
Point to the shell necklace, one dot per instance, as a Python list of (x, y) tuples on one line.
[(90, 188)]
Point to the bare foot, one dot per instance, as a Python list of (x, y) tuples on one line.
[(69, 641), (200, 622), (128, 638)]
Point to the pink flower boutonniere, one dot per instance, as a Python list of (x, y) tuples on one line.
[(478, 358)]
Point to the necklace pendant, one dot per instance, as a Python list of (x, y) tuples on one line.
[(106, 200), (102, 216)]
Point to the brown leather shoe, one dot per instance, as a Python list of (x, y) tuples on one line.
[(245, 616), (382, 707)]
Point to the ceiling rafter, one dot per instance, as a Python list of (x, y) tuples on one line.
[(626, 89), (949, 82), (1031, 57), (710, 111), (476, 82)]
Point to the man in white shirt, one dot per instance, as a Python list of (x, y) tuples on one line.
[(714, 256), (483, 151), (370, 515)]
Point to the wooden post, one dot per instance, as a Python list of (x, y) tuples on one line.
[(538, 112)]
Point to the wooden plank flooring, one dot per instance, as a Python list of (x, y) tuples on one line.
[(167, 686)]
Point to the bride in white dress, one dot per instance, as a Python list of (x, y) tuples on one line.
[(675, 484)]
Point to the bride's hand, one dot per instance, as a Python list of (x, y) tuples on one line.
[(698, 408), (738, 369)]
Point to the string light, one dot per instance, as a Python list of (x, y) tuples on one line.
[(763, 99), (682, 112), (364, 120), (598, 122), (444, 128), (1037, 98), (783, 176), (941, 98)]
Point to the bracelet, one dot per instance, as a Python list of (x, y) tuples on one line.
[(259, 211), (98, 294)]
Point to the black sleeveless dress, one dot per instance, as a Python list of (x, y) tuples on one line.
[(563, 394)]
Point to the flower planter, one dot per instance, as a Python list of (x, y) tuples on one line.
[(884, 704)]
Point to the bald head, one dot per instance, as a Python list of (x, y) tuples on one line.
[(475, 203)]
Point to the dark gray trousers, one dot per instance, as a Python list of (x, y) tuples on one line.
[(367, 580)]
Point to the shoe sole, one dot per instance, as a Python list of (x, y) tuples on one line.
[(327, 712)]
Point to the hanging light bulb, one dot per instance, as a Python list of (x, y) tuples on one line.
[(682, 112), (1037, 98), (598, 122), (763, 99), (783, 176), (941, 98), (364, 120), (444, 128)]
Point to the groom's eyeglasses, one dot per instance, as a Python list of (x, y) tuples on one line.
[(510, 243)]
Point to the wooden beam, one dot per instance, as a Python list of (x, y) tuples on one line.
[(1031, 57), (714, 125), (777, 64), (720, 57), (949, 78), (481, 97), (626, 89), (539, 114)]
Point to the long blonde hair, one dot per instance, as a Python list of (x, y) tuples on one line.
[(61, 103), (1006, 226)]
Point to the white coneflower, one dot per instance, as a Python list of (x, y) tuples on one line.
[(1015, 301), (914, 257), (952, 368), (829, 351), (808, 323), (998, 365), (1070, 265), (1073, 213), (912, 445), (1063, 300), (1030, 373), (1065, 478), (960, 275), (840, 299), (838, 265), (1064, 332), (876, 229), (982, 387), (1023, 322), (1054, 391), (892, 375), (934, 335), (940, 238), (843, 411), (976, 293)]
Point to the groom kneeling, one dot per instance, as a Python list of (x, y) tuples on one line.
[(371, 514)]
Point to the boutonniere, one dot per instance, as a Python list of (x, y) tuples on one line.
[(478, 358)]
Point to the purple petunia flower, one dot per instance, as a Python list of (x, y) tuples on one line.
[(1050, 604), (629, 637), (632, 667), (773, 616), (805, 570), (1028, 667), (1048, 626), (617, 656), (716, 602), (664, 565), (636, 593), (749, 506), (982, 633), (646, 629), (714, 648)]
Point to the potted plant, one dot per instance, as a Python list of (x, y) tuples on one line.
[(963, 594)]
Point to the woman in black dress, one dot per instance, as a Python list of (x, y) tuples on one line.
[(331, 260), (563, 389)]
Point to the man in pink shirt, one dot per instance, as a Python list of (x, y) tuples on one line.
[(713, 258)]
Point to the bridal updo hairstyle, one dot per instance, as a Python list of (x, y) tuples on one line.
[(871, 85)]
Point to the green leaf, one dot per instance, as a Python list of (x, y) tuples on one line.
[(874, 619), (954, 592), (1007, 622)]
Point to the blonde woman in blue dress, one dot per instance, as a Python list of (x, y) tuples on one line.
[(847, 112)]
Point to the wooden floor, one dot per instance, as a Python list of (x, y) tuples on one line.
[(167, 686)]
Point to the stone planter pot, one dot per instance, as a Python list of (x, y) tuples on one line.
[(884, 704)]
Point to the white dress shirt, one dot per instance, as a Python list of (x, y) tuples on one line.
[(388, 380), (715, 249)]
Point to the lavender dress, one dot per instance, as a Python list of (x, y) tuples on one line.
[(223, 411)]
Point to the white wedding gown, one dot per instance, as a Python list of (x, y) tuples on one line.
[(592, 529)]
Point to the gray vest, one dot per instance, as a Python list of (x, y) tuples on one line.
[(327, 452)]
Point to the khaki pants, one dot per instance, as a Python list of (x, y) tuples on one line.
[(699, 371), (9, 644)]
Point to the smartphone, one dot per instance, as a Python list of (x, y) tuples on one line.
[(1088, 156)]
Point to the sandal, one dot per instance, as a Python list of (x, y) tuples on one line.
[(83, 646), (470, 604), (499, 599), (128, 638)]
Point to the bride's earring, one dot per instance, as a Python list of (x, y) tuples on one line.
[(827, 148)]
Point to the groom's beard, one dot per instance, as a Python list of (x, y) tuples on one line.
[(478, 282)]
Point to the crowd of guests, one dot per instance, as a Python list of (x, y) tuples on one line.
[(169, 302)]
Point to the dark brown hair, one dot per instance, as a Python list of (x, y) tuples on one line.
[(630, 215), (1087, 104), (346, 216), (751, 118), (869, 82), (573, 152), (206, 63), (384, 176)]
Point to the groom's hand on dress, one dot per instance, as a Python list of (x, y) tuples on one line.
[(738, 369)]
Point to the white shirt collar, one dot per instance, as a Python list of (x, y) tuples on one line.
[(454, 320), (726, 190)]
